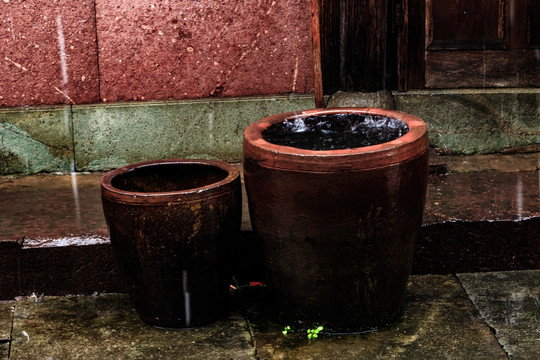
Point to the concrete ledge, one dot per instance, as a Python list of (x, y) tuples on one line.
[(108, 136), (476, 121), (104, 136), (36, 139)]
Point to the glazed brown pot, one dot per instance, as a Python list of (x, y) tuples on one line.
[(338, 227), (170, 223)]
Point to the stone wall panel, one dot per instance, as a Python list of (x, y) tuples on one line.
[(198, 49), (48, 52)]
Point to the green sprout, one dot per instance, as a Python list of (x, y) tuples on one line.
[(286, 329), (311, 333), (533, 315), (314, 333)]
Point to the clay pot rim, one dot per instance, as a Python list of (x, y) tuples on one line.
[(410, 145), (225, 185)]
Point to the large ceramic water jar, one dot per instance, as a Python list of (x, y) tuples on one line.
[(336, 198), (171, 223)]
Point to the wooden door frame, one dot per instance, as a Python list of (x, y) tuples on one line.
[(411, 44)]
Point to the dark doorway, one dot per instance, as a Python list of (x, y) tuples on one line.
[(369, 45)]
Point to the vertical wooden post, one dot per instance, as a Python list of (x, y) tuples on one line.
[(401, 24), (316, 54), (355, 34)]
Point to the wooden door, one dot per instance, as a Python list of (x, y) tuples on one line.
[(469, 44)]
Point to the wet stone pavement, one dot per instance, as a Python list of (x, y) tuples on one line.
[(439, 321), (106, 327), (510, 305), (6, 317)]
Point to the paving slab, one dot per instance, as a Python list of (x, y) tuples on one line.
[(4, 351), (438, 322), (6, 317), (510, 303), (107, 327)]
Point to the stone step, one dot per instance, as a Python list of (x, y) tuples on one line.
[(54, 239), (480, 221)]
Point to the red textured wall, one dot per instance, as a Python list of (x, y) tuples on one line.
[(33, 37), (84, 51)]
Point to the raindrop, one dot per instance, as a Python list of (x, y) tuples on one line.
[(61, 49), (187, 300), (519, 198)]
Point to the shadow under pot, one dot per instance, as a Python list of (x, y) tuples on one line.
[(170, 224), (336, 198)]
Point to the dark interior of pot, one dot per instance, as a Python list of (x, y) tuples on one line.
[(168, 178), (335, 131)]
